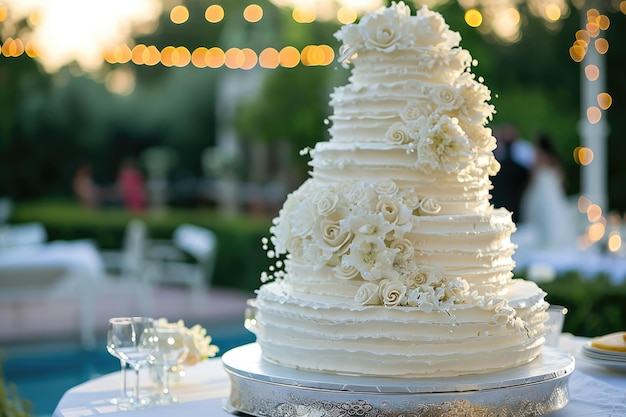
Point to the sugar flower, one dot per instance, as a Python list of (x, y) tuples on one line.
[(197, 340)]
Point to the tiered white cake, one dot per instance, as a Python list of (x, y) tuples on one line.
[(391, 259)]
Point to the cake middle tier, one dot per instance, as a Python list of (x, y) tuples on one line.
[(462, 192)]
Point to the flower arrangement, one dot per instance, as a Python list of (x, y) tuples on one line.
[(393, 28), (357, 230), (197, 340)]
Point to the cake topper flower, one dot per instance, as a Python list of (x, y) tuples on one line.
[(390, 28)]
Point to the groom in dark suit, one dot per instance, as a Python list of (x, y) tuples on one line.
[(512, 179)]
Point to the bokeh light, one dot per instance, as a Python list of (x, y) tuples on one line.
[(215, 57), (473, 18), (214, 13), (592, 72), (583, 155), (314, 55), (605, 100), (553, 12), (250, 59), (289, 57), (594, 115), (179, 14), (594, 213), (31, 49), (198, 57), (121, 81), (303, 14), (614, 243), (596, 231), (12, 47), (346, 15), (583, 204), (602, 46), (253, 13), (234, 58), (269, 58)]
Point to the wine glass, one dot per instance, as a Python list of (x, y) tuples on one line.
[(111, 348), (132, 339), (169, 350)]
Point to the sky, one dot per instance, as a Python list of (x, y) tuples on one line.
[(77, 30)]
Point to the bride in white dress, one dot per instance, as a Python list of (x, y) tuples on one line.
[(546, 213)]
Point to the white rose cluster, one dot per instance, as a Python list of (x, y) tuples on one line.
[(393, 28), (426, 289), (357, 229), (446, 129)]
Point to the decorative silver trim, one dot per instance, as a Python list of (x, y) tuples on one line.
[(261, 389)]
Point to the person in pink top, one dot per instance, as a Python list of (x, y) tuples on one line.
[(131, 185)]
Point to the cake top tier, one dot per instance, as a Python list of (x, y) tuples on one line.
[(393, 28)]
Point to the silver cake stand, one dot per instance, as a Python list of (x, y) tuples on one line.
[(260, 388)]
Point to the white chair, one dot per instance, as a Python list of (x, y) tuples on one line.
[(189, 258), (127, 270), (128, 263)]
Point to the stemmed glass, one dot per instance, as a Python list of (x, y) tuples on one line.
[(111, 348), (169, 350), (132, 340)]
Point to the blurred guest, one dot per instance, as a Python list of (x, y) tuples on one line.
[(545, 205), (512, 179), (131, 184), (85, 188)]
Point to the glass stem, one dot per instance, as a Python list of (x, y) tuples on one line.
[(136, 390), (123, 388)]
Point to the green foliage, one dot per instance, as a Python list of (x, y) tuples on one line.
[(291, 105), (596, 306), (11, 405)]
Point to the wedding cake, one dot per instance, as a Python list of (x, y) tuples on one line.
[(390, 259)]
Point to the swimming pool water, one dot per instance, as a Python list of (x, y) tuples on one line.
[(42, 374)]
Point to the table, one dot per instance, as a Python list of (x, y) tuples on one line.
[(54, 270), (205, 388)]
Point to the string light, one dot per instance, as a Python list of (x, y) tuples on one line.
[(214, 13), (346, 15), (303, 15), (253, 13), (269, 58), (179, 14)]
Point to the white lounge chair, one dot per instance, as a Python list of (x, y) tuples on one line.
[(189, 258)]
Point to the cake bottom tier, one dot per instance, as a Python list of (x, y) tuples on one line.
[(331, 335), (259, 388)]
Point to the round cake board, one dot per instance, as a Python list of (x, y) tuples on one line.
[(260, 388)]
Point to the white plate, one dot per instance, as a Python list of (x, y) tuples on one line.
[(603, 354), (603, 357), (618, 366)]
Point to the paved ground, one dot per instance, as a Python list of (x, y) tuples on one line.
[(55, 318)]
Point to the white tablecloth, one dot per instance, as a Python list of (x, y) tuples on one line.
[(79, 255), (204, 390), (54, 270)]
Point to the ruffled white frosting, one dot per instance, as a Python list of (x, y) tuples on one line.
[(391, 259)]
